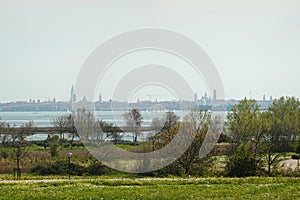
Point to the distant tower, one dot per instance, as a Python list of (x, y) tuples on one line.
[(271, 98), (215, 95), (100, 98), (195, 98), (72, 95), (264, 97)]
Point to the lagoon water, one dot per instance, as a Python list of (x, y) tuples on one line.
[(43, 119)]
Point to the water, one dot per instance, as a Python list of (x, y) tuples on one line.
[(43, 119)]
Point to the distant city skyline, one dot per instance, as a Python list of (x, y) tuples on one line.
[(72, 98), (254, 44), (205, 102)]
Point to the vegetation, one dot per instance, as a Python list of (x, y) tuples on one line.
[(196, 123), (207, 188), (267, 136), (133, 120), (253, 142)]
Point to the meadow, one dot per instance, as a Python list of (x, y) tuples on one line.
[(153, 188)]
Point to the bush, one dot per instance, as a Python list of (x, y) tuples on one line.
[(241, 163), (295, 156), (54, 145), (4, 154), (54, 149), (67, 145), (58, 167), (97, 168)]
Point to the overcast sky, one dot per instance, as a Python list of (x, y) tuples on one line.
[(254, 44)]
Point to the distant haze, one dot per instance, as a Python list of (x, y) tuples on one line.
[(254, 44)]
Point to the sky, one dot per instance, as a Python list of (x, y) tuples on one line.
[(254, 44)]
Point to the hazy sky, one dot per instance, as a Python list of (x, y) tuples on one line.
[(254, 44)]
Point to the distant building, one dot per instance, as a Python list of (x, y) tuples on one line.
[(215, 95), (196, 98), (72, 95), (100, 98)]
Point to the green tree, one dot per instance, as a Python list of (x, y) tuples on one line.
[(246, 125), (284, 116), (285, 113)]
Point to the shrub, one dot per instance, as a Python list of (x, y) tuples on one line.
[(241, 163), (54, 149), (67, 145), (4, 154), (54, 145), (58, 167), (97, 168)]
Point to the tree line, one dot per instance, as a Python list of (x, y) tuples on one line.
[(256, 141)]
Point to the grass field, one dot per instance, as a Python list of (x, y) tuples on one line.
[(148, 188)]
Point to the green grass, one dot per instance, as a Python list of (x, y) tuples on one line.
[(142, 147), (204, 188)]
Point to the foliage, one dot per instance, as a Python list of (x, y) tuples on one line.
[(295, 157), (241, 163), (267, 134), (197, 124), (59, 166), (285, 116), (97, 168), (54, 145)]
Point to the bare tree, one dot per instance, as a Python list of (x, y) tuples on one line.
[(195, 123), (71, 129), (18, 135), (3, 133), (111, 131), (134, 121), (60, 126), (170, 119)]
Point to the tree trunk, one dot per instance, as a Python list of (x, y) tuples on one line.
[(269, 164), (135, 137), (18, 154), (73, 135)]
